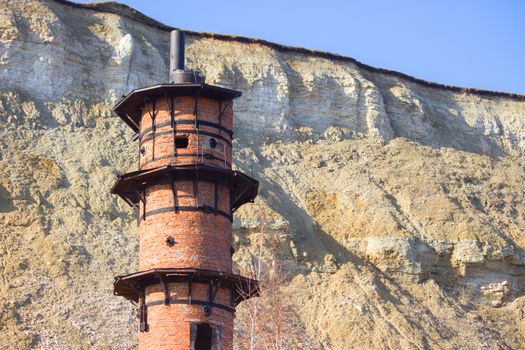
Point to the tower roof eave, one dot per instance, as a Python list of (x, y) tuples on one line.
[(132, 285), (130, 107), (129, 185)]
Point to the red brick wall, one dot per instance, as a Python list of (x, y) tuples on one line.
[(169, 325), (202, 240), (159, 151)]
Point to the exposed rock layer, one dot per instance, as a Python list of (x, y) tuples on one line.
[(398, 202)]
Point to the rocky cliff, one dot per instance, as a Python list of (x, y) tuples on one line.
[(397, 203)]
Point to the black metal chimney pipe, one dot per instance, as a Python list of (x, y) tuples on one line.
[(178, 73), (176, 50)]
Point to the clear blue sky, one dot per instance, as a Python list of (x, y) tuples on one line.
[(470, 43)]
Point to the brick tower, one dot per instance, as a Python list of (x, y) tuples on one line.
[(184, 193)]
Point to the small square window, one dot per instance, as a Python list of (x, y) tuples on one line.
[(181, 142)]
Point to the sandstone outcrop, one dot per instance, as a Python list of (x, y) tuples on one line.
[(397, 203)]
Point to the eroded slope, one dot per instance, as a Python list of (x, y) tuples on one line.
[(398, 205)]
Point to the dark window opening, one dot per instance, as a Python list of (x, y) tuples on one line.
[(170, 241), (203, 340), (213, 143), (181, 142)]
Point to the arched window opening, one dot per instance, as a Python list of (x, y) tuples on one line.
[(205, 337)]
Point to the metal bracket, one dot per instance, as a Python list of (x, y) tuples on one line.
[(196, 108), (142, 198), (211, 296), (190, 285), (216, 194), (153, 111), (153, 115), (171, 107), (196, 187), (143, 313), (236, 198), (132, 121), (173, 191), (221, 113), (164, 286), (233, 189), (136, 288), (139, 128), (233, 296)]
